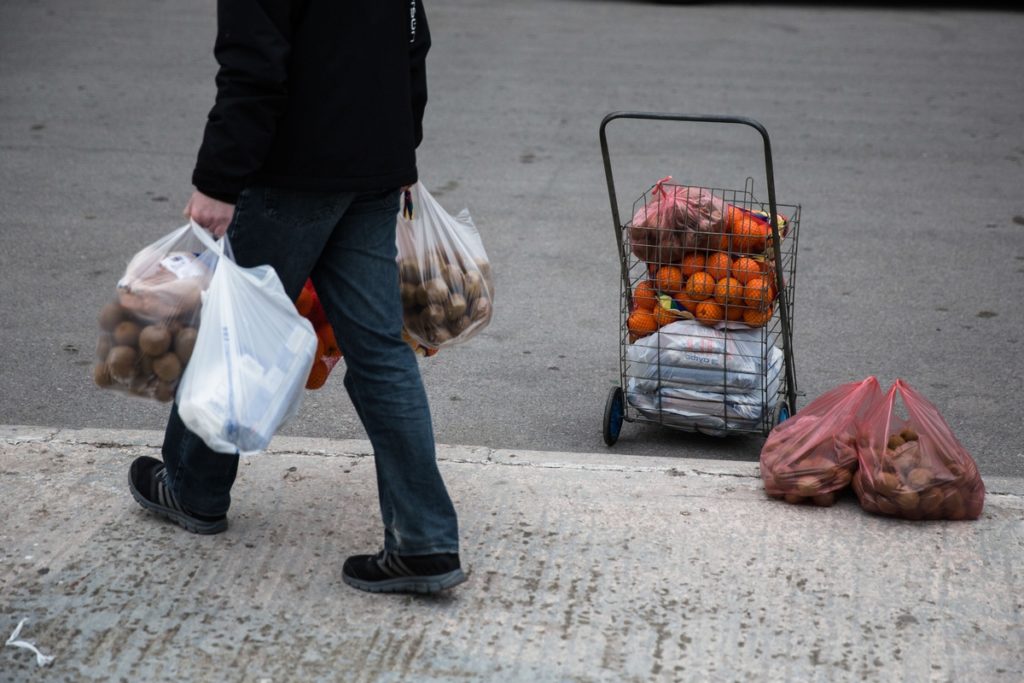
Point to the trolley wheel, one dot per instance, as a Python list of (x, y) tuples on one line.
[(781, 413), (614, 411)]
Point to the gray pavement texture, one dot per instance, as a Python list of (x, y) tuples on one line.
[(582, 567)]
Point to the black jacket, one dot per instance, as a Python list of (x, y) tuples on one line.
[(315, 95)]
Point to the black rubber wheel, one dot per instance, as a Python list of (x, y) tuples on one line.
[(614, 411), (781, 413)]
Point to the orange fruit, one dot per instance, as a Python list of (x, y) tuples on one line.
[(718, 265), (735, 312), (756, 318), (670, 279), (326, 333), (758, 293), (663, 316), (644, 296), (317, 374), (709, 313), (304, 304), (749, 232), (700, 286), (693, 262), (745, 268), (729, 290), (641, 322), (686, 302)]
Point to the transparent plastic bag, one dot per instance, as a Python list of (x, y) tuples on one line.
[(148, 329), (251, 359), (445, 275), (812, 455), (914, 467)]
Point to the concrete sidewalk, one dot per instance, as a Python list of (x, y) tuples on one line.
[(582, 568)]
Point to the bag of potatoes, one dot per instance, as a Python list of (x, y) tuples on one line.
[(445, 275), (812, 456), (914, 467), (148, 329)]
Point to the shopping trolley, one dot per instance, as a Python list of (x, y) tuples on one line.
[(706, 302)]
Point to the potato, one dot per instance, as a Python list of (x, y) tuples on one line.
[(167, 367), (824, 499), (184, 343), (103, 345), (110, 315), (807, 486), (101, 375), (918, 478), (121, 361), (154, 340), (455, 308), (126, 333)]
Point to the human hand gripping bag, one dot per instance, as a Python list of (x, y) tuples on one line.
[(445, 274), (914, 467), (148, 329), (251, 360), (812, 455)]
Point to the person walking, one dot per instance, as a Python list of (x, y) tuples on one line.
[(308, 145)]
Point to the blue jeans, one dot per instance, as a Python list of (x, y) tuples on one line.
[(345, 242)]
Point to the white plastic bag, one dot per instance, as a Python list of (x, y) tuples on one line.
[(445, 275), (251, 359)]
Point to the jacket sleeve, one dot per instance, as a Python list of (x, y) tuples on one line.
[(419, 45), (252, 50)]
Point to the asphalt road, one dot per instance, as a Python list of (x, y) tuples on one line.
[(898, 131)]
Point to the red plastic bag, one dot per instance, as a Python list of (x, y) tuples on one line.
[(915, 468), (812, 455)]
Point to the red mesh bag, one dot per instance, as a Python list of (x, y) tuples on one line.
[(328, 352), (812, 455), (915, 468), (676, 219)]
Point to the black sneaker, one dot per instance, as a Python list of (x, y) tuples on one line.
[(147, 481), (390, 573)]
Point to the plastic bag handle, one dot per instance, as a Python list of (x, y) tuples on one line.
[(204, 236)]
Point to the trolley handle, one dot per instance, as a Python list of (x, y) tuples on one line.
[(655, 116), (773, 223)]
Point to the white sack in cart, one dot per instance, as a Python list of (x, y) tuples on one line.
[(693, 376), (694, 356), (251, 359), (706, 411)]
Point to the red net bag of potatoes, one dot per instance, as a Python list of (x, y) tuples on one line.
[(914, 467), (812, 455), (148, 329), (677, 218)]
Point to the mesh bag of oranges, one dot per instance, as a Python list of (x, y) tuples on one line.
[(328, 352), (812, 456), (914, 467), (445, 274), (148, 329)]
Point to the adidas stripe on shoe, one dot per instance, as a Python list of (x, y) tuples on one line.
[(147, 480), (388, 572)]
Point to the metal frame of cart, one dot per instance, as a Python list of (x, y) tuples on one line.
[(652, 394)]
